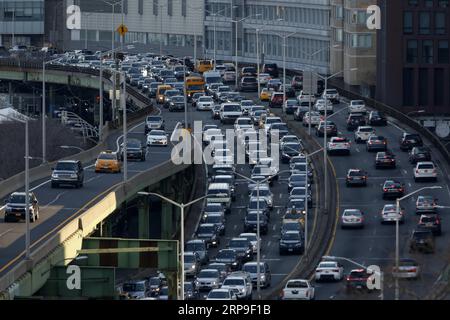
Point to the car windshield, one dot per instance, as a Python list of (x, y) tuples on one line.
[(133, 144), (356, 213), (254, 204), (426, 166), (290, 226), (355, 173), (422, 234), (231, 108), (298, 177), (178, 99), (213, 219), (157, 133), (262, 193), (291, 236), (195, 246), (296, 284), (249, 237), (17, 198), (253, 268), (327, 265), (218, 295), (234, 282), (107, 156), (208, 274), (226, 254), (206, 229), (66, 166), (279, 126), (205, 99), (426, 219), (154, 281), (154, 119), (392, 184), (189, 258), (238, 243), (293, 147), (133, 287), (365, 129)]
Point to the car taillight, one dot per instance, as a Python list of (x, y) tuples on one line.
[(335, 270), (350, 178), (417, 171), (385, 189)]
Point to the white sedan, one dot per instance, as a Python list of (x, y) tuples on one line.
[(357, 106), (157, 138), (331, 270), (205, 103)]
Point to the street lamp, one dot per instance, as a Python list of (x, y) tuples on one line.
[(397, 246), (381, 274), (258, 252), (418, 111), (27, 183), (181, 206), (113, 11), (72, 147)]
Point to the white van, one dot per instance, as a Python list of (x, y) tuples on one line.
[(220, 193)]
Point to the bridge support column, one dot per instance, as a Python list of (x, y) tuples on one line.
[(167, 211), (144, 218), (172, 282)]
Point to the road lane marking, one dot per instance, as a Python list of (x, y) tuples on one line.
[(5, 232), (54, 200)]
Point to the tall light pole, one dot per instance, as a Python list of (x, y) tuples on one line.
[(124, 125), (397, 235), (27, 182), (13, 42), (182, 206), (113, 5)]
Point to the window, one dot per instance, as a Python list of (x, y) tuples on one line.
[(443, 52), (169, 7), (429, 3), (413, 3), (338, 35), (427, 51), (141, 6), (360, 40), (424, 23), (411, 51), (339, 13), (439, 23), (155, 7), (408, 86), (439, 87), (407, 22), (423, 87), (443, 3), (183, 8)]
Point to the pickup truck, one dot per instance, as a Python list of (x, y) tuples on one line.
[(298, 289)]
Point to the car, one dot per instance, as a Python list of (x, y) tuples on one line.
[(252, 237), (262, 171), (200, 247), (271, 69), (389, 214), (421, 240), (290, 150), (288, 90), (269, 121), (205, 103), (265, 277), (320, 106), (15, 207), (313, 118), (298, 289), (263, 193), (209, 233), (290, 226), (136, 150), (259, 205), (363, 133), (301, 192), (215, 112), (306, 98), (195, 98), (248, 84), (154, 123), (355, 120), (212, 88), (191, 263), (190, 292), (409, 141), (332, 95), (295, 211), (418, 154), (223, 269), (357, 106), (246, 105), (356, 177), (221, 294), (210, 133), (432, 222), (228, 257), (339, 145), (274, 84), (407, 269), (357, 280), (229, 112), (425, 170), (300, 112), (136, 289), (243, 248), (329, 270), (281, 129), (393, 189), (291, 242), (289, 138), (376, 143), (107, 161), (243, 123), (264, 78), (157, 138), (330, 128), (229, 76), (248, 71), (426, 204), (296, 180), (377, 118), (239, 284), (154, 284), (385, 160), (276, 100), (251, 222), (177, 103), (67, 172), (208, 279), (352, 218), (164, 293), (290, 106)]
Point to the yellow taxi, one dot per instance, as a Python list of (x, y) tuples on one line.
[(265, 94), (108, 161), (294, 215)]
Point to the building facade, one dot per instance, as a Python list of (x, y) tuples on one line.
[(174, 26), (302, 27), (353, 44), (21, 22), (413, 55)]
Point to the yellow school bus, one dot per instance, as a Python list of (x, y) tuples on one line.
[(204, 65), (161, 91), (194, 85)]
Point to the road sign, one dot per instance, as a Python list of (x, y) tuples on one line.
[(122, 29)]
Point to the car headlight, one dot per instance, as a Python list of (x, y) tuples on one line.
[(263, 277), (54, 175), (193, 266), (8, 209), (234, 263), (73, 175)]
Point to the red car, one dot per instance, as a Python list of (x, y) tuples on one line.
[(276, 100), (357, 279)]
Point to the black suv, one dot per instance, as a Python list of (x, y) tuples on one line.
[(418, 154), (355, 120), (410, 140), (291, 242), (377, 118), (249, 84), (68, 172), (385, 160), (272, 69), (135, 150), (251, 222), (421, 240), (15, 207)]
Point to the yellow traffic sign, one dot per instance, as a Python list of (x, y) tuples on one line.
[(122, 29)]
